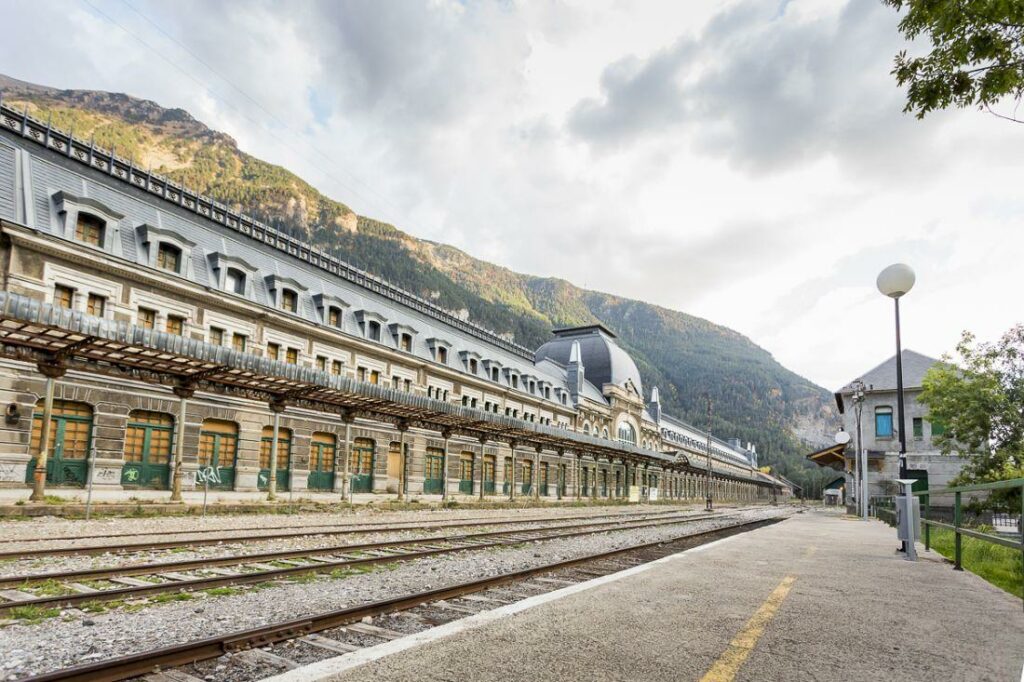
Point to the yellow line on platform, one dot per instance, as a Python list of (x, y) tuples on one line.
[(729, 663)]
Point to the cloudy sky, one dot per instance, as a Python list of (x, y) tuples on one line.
[(745, 161)]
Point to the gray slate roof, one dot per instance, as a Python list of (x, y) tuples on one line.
[(883, 377)]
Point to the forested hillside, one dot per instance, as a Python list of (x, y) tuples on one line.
[(755, 398)]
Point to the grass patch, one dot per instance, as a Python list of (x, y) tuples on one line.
[(999, 565), (33, 614), (171, 597), (47, 588), (223, 591)]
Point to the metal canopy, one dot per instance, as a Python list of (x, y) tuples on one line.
[(43, 334)]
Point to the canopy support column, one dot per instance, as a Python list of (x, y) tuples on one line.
[(183, 393), (52, 372)]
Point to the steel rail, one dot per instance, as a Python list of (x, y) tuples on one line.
[(204, 583), (171, 544), (134, 665), (191, 564), (349, 524)]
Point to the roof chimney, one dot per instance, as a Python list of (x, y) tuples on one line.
[(654, 407), (576, 373)]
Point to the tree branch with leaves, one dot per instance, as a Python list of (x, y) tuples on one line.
[(977, 55)]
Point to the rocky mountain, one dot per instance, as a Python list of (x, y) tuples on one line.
[(687, 357)]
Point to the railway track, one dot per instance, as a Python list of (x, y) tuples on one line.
[(301, 532), (279, 646), (105, 584)]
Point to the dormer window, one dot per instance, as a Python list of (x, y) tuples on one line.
[(168, 257), (331, 309), (405, 342), (88, 221), (234, 281), (232, 274), (440, 348), (472, 365), (289, 300), (373, 330), (495, 376), (284, 293), (90, 229), (514, 381), (165, 249)]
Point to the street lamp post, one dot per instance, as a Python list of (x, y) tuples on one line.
[(895, 281)]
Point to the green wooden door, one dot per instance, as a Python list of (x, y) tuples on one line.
[(544, 479), (466, 474), (361, 463), (527, 486), (507, 476), (70, 442), (284, 457), (218, 447), (148, 443), (433, 477), (489, 465), (321, 462)]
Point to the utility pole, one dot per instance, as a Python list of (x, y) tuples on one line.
[(709, 502), (860, 463)]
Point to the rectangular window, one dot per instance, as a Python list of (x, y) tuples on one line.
[(883, 422), (334, 317), (238, 342), (396, 383), (336, 367), (273, 351), (408, 385), (175, 325), (321, 363), (442, 355), (373, 331), (361, 373), (515, 381), (918, 428), (89, 229), (289, 300), (292, 356), (96, 305), (168, 257), (63, 297), (374, 377), (472, 365), (405, 342), (216, 336), (147, 318), (938, 428)]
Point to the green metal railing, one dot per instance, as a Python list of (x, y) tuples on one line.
[(959, 531)]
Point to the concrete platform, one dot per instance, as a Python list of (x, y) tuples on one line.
[(817, 597)]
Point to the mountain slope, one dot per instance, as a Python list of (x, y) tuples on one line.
[(755, 398)]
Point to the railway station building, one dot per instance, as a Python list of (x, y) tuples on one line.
[(164, 340), (879, 432)]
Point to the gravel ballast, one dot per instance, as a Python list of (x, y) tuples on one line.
[(75, 637)]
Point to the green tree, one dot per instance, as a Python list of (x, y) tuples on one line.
[(977, 55), (980, 402)]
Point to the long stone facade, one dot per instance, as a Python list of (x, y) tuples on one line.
[(84, 231)]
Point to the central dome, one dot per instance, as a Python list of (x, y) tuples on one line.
[(604, 362)]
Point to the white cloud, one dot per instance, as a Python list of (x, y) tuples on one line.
[(746, 162)]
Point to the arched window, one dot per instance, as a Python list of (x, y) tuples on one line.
[(284, 447), (604, 432), (586, 428), (627, 434)]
